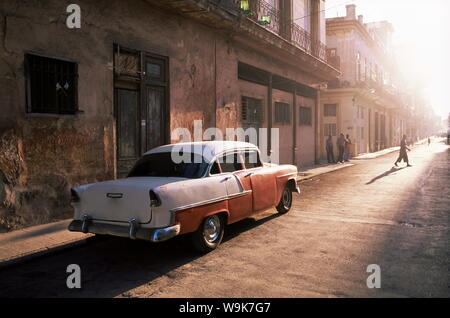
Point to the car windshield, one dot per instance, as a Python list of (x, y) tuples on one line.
[(162, 165)]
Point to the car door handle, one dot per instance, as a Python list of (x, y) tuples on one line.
[(226, 178), (249, 174)]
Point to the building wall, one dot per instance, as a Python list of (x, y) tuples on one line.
[(305, 135), (285, 130), (352, 38), (301, 13), (44, 155)]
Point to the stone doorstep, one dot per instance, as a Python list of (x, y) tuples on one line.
[(35, 241)]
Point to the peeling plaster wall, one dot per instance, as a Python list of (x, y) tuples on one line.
[(42, 155)]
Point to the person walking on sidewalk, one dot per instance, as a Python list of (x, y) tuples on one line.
[(341, 147), (348, 143), (329, 147), (403, 155)]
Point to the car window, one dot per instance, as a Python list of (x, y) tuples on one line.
[(215, 169), (162, 165), (231, 162), (251, 159)]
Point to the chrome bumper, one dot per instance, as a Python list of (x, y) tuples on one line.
[(132, 231)]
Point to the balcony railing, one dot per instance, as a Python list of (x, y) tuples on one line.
[(263, 13), (269, 17), (300, 37)]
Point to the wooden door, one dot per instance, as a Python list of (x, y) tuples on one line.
[(128, 141)]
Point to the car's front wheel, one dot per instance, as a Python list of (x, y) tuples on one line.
[(286, 201), (210, 233)]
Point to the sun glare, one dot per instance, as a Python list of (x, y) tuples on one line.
[(421, 42)]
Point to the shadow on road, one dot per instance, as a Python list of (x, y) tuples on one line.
[(413, 255), (385, 174), (110, 266)]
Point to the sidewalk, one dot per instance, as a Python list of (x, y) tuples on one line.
[(34, 241), (372, 155), (309, 172), (313, 171)]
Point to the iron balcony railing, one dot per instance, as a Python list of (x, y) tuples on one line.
[(303, 39), (263, 13), (269, 17)]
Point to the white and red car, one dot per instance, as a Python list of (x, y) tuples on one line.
[(224, 182)]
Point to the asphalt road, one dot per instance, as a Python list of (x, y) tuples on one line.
[(370, 213)]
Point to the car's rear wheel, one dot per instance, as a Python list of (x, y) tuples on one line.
[(210, 233), (286, 201)]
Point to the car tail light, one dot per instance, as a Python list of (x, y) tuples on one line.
[(154, 199), (74, 196)]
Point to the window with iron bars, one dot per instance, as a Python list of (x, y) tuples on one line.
[(251, 110), (329, 110), (51, 85), (282, 113), (329, 129), (305, 116)]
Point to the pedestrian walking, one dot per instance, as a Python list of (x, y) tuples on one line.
[(341, 147), (429, 141), (348, 144), (330, 152), (403, 155)]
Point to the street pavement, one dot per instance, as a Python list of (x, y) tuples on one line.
[(368, 213)]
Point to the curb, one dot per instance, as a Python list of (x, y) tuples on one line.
[(313, 175), (375, 155), (45, 251)]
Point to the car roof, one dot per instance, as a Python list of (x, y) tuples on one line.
[(208, 149)]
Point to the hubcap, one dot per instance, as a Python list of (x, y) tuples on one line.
[(287, 198), (211, 229)]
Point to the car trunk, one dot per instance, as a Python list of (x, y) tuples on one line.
[(119, 200)]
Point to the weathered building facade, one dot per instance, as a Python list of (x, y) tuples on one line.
[(365, 102), (80, 105)]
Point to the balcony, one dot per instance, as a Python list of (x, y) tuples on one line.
[(269, 17), (262, 26)]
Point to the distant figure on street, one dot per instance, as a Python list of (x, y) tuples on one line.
[(403, 155), (330, 152), (341, 147), (429, 141), (348, 143)]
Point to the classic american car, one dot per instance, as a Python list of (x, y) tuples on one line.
[(217, 183)]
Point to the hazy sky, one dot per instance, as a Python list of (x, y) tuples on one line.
[(422, 34)]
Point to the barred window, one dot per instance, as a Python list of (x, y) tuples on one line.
[(51, 85), (251, 110), (282, 113), (329, 129), (329, 110), (305, 116)]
